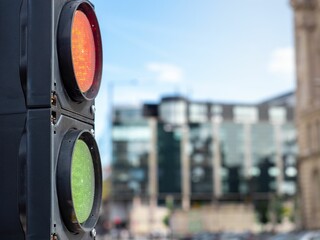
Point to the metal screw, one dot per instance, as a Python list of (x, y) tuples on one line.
[(54, 237), (93, 233), (92, 131), (53, 100), (93, 109), (53, 117)]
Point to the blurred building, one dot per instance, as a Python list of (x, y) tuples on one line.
[(307, 35), (197, 153)]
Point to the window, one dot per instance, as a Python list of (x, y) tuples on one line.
[(277, 114), (198, 112), (255, 171), (291, 172), (273, 172), (216, 110), (131, 133), (245, 114), (173, 112), (288, 187)]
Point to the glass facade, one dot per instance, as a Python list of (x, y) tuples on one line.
[(169, 161), (263, 150), (232, 157), (242, 150), (174, 111), (200, 155), (198, 113), (290, 153), (245, 114), (131, 137)]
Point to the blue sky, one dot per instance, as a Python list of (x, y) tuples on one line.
[(227, 50)]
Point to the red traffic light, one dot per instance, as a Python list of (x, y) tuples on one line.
[(80, 51), (83, 51)]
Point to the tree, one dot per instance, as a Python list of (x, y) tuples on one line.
[(261, 208)]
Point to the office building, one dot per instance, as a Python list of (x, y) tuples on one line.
[(199, 153)]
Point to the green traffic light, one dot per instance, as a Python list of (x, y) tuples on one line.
[(82, 181)]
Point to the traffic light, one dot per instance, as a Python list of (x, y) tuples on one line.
[(50, 74)]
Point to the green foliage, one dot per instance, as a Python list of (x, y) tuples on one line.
[(166, 220), (277, 209), (274, 208), (261, 208), (170, 203)]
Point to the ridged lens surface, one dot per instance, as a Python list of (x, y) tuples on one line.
[(83, 51), (82, 181)]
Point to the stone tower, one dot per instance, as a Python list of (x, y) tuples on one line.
[(307, 41)]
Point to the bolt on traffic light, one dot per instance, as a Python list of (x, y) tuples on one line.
[(50, 69)]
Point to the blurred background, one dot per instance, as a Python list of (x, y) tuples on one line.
[(208, 119)]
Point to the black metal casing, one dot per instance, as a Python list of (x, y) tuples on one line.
[(35, 114)]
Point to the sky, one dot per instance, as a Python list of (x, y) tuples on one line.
[(227, 50)]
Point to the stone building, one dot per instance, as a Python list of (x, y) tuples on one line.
[(307, 38)]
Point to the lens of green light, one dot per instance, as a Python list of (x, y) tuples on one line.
[(82, 181)]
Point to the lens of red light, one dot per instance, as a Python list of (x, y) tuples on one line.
[(83, 51), (80, 51)]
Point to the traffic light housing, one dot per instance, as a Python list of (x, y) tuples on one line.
[(50, 71)]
